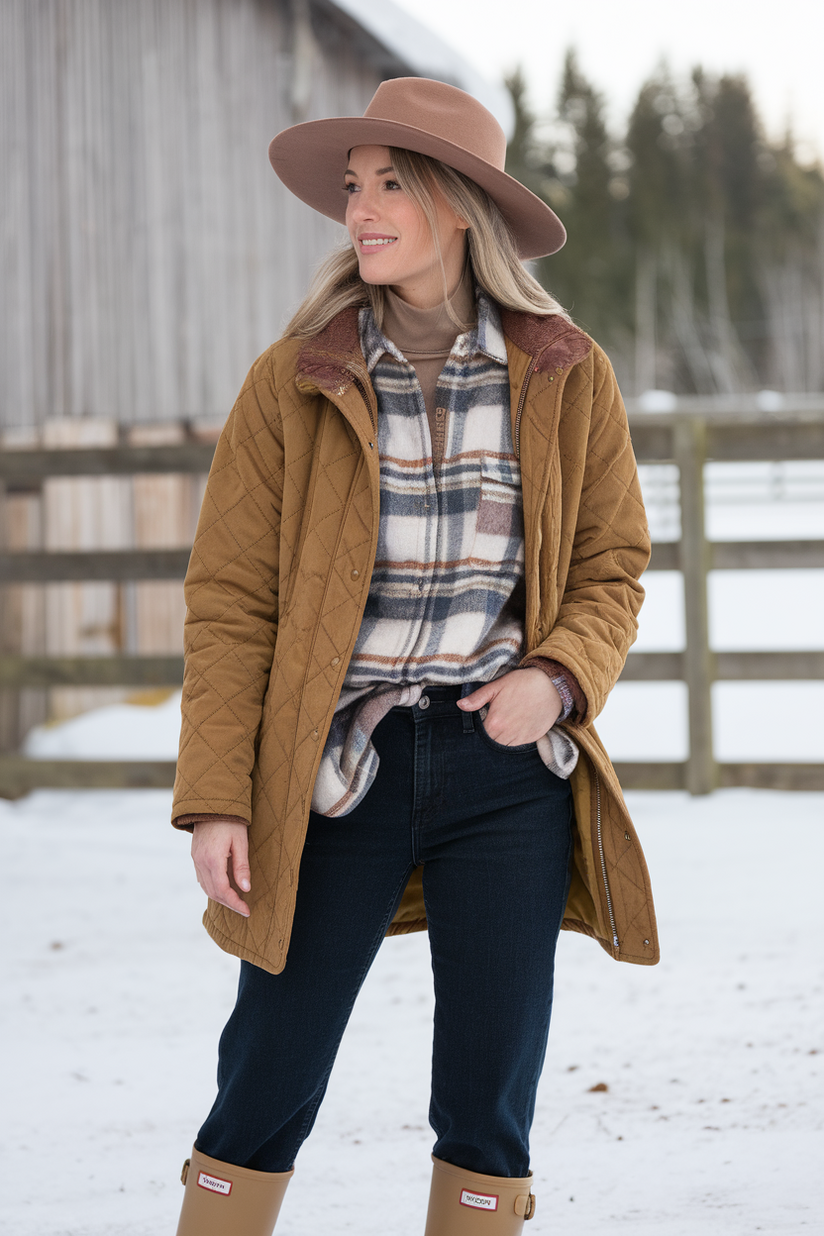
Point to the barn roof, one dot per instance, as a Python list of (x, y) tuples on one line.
[(412, 43)]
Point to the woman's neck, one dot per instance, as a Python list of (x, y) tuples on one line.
[(415, 329)]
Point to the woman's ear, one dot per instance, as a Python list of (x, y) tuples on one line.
[(462, 224)]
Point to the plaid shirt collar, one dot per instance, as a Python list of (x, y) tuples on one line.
[(486, 337)]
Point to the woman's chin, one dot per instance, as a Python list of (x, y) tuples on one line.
[(375, 278)]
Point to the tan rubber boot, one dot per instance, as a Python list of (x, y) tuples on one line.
[(464, 1203), (224, 1200)]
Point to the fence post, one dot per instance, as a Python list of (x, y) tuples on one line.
[(690, 454), (9, 700)]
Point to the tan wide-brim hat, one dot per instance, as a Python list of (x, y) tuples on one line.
[(429, 117)]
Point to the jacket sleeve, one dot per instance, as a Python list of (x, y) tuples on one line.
[(597, 619), (231, 592)]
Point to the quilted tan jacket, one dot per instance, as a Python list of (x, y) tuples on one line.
[(279, 577)]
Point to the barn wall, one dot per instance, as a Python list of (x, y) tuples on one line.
[(149, 252)]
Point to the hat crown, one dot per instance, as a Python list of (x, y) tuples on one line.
[(442, 111)]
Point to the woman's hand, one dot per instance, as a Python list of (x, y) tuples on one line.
[(220, 853), (523, 706)]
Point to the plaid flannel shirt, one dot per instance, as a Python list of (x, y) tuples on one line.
[(446, 598)]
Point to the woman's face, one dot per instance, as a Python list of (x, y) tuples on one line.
[(391, 235)]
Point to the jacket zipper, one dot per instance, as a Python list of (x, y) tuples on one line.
[(362, 388), (603, 860), (520, 408)]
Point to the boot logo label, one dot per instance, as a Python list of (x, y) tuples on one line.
[(479, 1201), (214, 1184)]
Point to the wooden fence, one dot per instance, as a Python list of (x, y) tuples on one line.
[(688, 439)]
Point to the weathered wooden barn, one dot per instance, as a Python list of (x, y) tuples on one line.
[(149, 253)]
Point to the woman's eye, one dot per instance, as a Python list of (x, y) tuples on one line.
[(391, 184), (349, 187)]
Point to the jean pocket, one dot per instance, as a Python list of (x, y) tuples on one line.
[(480, 728)]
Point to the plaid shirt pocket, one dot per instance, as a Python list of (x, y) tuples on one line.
[(499, 526)]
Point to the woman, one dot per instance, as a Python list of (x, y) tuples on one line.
[(418, 555)]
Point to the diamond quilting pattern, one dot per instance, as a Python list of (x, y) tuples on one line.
[(290, 516)]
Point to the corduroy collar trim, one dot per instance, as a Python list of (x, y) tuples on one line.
[(329, 361)]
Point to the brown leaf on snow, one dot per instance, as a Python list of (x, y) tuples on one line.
[(598, 1088)]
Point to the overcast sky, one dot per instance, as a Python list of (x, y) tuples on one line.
[(780, 46)]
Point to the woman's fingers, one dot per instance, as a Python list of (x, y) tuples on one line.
[(471, 703), (220, 852), (524, 707), (240, 872)]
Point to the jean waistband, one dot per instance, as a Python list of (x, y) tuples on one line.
[(448, 693), (451, 691)]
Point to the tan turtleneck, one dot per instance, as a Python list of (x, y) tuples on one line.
[(426, 338)]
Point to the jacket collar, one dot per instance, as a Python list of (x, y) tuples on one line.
[(554, 342), (331, 361)]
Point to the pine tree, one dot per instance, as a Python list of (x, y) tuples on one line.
[(696, 248), (588, 274)]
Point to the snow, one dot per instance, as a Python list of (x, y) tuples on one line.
[(657, 401), (712, 1117), (130, 731)]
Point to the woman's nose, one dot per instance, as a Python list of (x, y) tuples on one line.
[(361, 206)]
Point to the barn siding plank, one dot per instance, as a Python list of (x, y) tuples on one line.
[(155, 252)]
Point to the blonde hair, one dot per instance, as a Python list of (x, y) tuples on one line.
[(492, 252)]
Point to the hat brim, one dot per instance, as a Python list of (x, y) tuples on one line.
[(310, 159)]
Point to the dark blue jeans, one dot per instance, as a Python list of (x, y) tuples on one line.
[(492, 828)]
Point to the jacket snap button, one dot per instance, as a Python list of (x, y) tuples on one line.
[(336, 660), (355, 574), (558, 369), (646, 941), (314, 734), (423, 702)]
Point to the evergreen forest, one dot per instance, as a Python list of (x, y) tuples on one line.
[(695, 250)]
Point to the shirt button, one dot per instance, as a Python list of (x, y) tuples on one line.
[(355, 574)]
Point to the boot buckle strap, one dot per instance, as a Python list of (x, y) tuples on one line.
[(185, 1173), (525, 1205)]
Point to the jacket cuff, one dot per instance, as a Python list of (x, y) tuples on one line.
[(187, 822), (566, 684)]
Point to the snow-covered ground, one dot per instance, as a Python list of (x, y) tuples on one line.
[(711, 1120), (711, 1123)]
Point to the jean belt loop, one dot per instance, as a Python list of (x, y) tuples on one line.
[(468, 717)]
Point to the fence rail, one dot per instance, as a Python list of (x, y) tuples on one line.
[(29, 465), (688, 439)]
